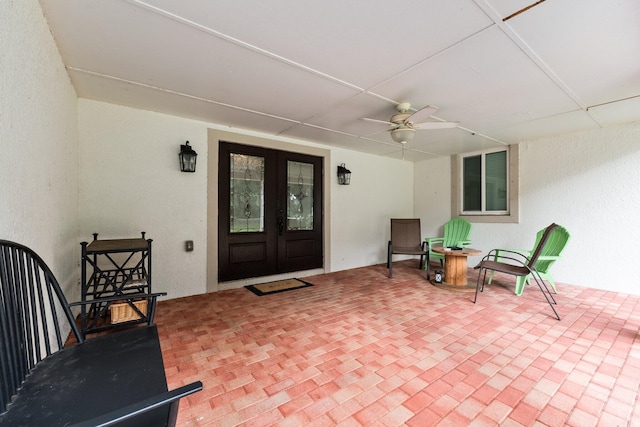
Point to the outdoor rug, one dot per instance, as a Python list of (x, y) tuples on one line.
[(278, 286)]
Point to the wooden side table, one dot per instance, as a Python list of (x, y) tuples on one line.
[(455, 268)]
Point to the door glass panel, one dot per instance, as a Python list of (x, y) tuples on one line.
[(246, 210), (300, 196)]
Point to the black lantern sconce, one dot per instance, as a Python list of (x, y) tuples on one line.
[(344, 175), (187, 158)]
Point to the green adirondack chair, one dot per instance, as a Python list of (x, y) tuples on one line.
[(550, 254), (456, 233)]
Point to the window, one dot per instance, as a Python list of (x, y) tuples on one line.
[(485, 185)]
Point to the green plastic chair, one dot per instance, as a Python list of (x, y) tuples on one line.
[(456, 233), (550, 254)]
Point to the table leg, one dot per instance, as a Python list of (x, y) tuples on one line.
[(455, 270)]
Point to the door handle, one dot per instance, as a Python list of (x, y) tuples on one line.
[(280, 225)]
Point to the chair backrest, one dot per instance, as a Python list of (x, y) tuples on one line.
[(540, 246), (556, 243), (406, 233), (31, 307), (456, 230)]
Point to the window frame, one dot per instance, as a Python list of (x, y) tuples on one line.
[(512, 213)]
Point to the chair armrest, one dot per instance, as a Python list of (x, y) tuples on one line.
[(507, 254), (524, 252), (464, 243), (432, 240), (549, 257), (141, 407)]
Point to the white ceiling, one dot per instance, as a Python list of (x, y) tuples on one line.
[(313, 69)]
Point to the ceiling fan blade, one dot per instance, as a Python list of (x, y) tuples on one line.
[(422, 114), (379, 121), (435, 125)]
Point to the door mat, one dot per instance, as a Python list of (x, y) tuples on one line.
[(278, 286)]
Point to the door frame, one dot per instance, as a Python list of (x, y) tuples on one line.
[(214, 137)]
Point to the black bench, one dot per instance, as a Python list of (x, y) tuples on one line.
[(115, 379)]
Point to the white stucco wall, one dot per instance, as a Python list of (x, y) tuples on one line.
[(380, 189), (38, 164), (587, 182), (432, 195), (131, 182)]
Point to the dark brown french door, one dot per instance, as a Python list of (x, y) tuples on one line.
[(270, 212)]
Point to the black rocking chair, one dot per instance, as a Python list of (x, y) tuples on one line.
[(115, 379)]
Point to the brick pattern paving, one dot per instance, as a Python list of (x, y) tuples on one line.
[(360, 349)]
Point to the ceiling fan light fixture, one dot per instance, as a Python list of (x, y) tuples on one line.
[(403, 134), (405, 122)]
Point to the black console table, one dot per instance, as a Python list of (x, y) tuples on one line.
[(116, 283)]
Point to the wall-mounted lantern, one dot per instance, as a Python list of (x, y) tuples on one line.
[(344, 175), (187, 158)]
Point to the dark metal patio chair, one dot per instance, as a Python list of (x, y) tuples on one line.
[(406, 240), (517, 264)]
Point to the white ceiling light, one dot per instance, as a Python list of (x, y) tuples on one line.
[(405, 123), (403, 134)]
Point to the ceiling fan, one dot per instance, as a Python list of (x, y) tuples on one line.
[(405, 123)]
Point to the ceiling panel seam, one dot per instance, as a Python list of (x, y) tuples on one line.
[(613, 101), (225, 37), (389, 144), (427, 59), (243, 44), (173, 92), (510, 32)]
